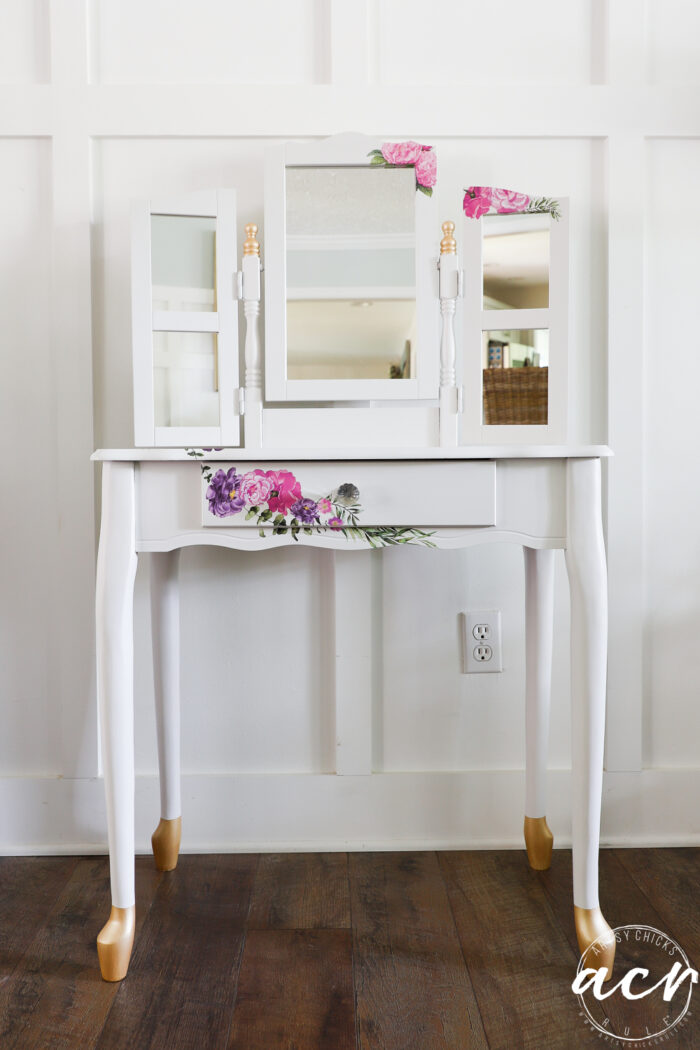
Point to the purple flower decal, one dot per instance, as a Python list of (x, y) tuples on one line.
[(223, 493), (306, 510), (335, 523)]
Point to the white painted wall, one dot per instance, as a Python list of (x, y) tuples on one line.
[(595, 104)]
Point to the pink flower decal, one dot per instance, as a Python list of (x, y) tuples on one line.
[(285, 491), (426, 169), (475, 207), (255, 488), (507, 201), (478, 200), (402, 154), (409, 155), (335, 523), (325, 506)]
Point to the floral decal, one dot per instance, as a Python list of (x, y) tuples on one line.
[(490, 200), (273, 498), (422, 159)]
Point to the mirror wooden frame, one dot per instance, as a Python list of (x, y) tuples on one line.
[(343, 151), (476, 319), (222, 322)]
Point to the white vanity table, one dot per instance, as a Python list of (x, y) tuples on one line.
[(334, 455)]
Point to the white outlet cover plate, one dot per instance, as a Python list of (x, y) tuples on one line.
[(469, 621)]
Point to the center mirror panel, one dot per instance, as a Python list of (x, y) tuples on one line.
[(350, 235)]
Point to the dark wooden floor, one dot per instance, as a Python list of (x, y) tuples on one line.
[(398, 951)]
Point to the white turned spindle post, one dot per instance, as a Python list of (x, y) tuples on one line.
[(449, 290), (252, 420)]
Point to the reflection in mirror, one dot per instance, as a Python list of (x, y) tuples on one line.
[(350, 339), (185, 380), (350, 260), (183, 262), (515, 376), (516, 261)]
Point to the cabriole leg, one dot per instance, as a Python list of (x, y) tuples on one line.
[(585, 562), (165, 627), (116, 570), (539, 627)]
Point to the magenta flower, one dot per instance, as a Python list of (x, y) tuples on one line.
[(402, 153), (426, 168), (478, 200), (285, 491), (475, 207), (255, 488), (335, 523)]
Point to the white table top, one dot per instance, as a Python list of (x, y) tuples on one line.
[(281, 455)]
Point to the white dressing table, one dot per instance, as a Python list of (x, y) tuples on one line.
[(333, 453)]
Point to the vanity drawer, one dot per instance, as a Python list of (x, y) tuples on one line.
[(388, 493), (172, 497)]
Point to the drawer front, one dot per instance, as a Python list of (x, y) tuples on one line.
[(329, 494)]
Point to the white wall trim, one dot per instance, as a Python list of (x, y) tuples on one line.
[(224, 813)]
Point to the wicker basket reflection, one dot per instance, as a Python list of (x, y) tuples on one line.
[(515, 395)]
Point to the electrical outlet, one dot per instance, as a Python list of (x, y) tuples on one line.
[(481, 642)]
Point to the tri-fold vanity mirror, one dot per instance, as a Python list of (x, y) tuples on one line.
[(387, 323)]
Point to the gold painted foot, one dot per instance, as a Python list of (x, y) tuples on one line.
[(592, 931), (538, 843), (114, 943), (166, 843)]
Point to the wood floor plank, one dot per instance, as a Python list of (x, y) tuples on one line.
[(198, 981), (56, 998), (413, 990), (295, 992), (301, 891), (622, 903), (671, 878), (181, 985), (29, 889), (519, 961)]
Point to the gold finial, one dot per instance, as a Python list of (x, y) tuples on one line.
[(251, 246), (448, 245)]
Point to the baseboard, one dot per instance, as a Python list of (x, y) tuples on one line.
[(385, 811)]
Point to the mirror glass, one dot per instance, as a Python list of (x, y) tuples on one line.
[(185, 381), (515, 369), (183, 262), (351, 273), (515, 257)]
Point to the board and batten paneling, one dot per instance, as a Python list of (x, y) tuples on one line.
[(671, 453), (101, 102), (28, 505)]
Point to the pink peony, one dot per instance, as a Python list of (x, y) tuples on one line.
[(481, 191), (507, 201), (426, 168), (402, 153), (285, 490), (255, 488), (475, 207)]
